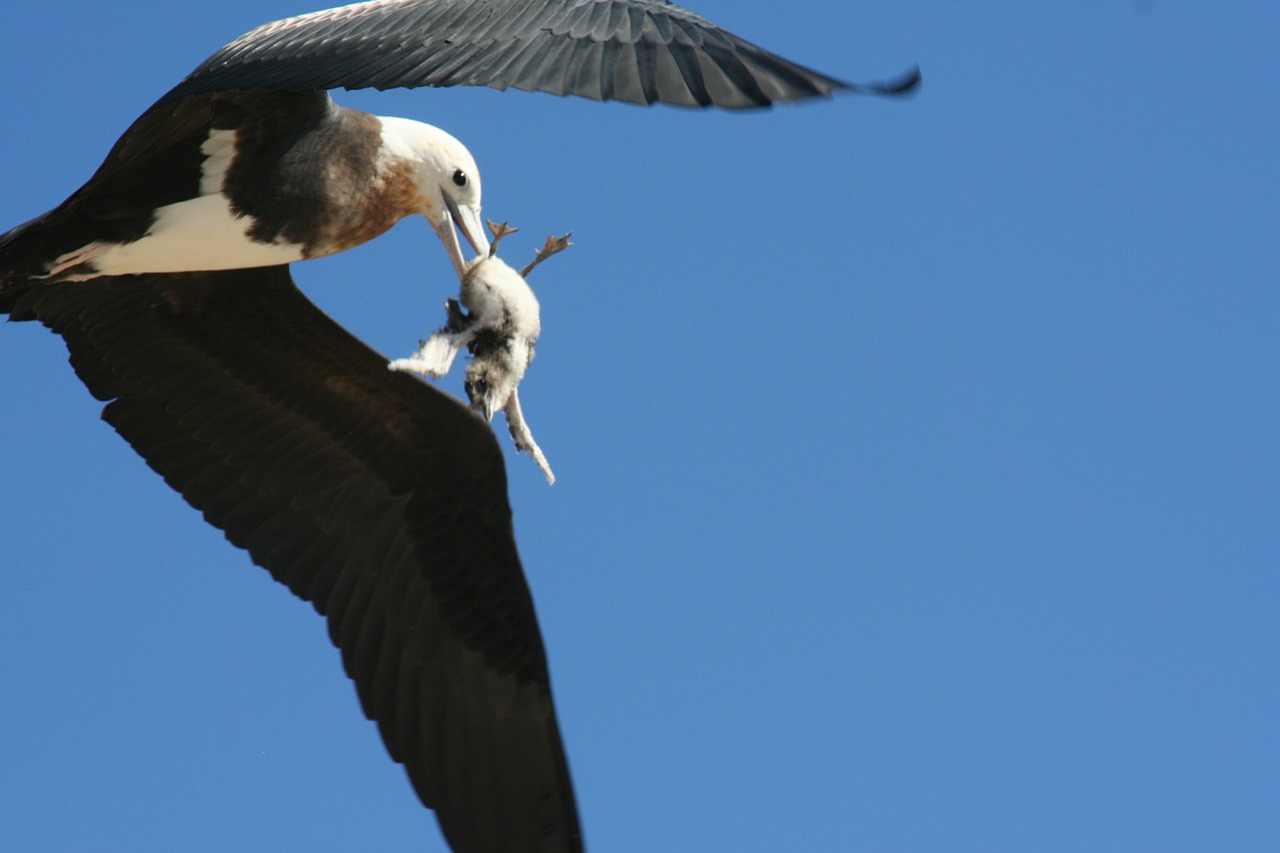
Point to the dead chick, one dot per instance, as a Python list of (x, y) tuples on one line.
[(499, 326)]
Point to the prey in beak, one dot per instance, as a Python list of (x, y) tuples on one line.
[(466, 218), (496, 317)]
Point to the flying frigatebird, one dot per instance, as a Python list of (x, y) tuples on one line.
[(370, 494)]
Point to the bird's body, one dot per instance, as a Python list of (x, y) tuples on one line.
[(248, 162), (241, 180), (368, 493)]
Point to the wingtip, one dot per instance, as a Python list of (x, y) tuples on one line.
[(905, 85)]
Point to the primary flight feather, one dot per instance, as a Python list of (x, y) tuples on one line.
[(376, 497)]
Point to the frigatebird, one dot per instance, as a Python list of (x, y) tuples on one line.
[(374, 496)]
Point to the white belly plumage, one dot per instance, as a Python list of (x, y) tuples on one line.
[(198, 234)]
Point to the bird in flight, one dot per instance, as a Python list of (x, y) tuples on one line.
[(374, 496)]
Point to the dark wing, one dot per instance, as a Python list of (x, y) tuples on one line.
[(639, 51), (374, 496)]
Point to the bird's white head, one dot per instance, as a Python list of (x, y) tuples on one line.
[(446, 182)]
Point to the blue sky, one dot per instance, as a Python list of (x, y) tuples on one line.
[(917, 460)]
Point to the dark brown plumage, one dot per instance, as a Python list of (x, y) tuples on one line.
[(374, 496), (637, 51)]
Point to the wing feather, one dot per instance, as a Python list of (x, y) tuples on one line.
[(536, 45), (377, 498)]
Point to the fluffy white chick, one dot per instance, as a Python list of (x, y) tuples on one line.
[(500, 327)]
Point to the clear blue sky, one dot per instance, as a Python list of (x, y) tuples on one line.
[(917, 460)]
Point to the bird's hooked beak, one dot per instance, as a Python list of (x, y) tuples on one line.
[(467, 218)]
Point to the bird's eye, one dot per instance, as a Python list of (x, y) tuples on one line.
[(459, 178)]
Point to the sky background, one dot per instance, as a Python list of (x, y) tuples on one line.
[(917, 459)]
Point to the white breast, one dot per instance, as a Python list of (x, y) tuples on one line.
[(200, 234)]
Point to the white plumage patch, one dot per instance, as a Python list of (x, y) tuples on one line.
[(198, 234), (219, 150)]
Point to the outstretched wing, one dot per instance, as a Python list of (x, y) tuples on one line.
[(374, 496), (639, 51)]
